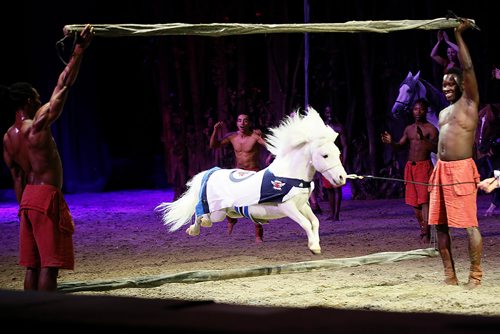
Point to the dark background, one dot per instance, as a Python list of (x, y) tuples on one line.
[(111, 134)]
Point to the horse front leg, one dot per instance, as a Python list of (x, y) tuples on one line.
[(309, 224), (309, 214)]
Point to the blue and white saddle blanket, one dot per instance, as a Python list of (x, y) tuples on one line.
[(239, 188)]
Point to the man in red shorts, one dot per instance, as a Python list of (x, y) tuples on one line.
[(454, 202), (30, 152), (422, 139)]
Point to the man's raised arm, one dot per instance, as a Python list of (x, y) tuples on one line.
[(470, 83), (48, 113)]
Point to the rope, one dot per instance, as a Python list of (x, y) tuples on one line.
[(226, 29), (360, 177), (60, 47), (225, 274)]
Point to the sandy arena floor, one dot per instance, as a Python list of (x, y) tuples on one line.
[(119, 236)]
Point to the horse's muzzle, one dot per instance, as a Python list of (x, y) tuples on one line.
[(341, 180), (337, 177)]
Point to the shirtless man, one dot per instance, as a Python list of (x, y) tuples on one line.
[(456, 205), (246, 145), (422, 139), (30, 152)]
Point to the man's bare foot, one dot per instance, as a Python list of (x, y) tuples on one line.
[(425, 240), (472, 284), (451, 281)]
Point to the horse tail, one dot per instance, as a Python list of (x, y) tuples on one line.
[(178, 213)]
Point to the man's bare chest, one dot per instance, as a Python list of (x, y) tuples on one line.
[(244, 144)]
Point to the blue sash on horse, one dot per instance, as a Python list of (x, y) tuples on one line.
[(238, 188)]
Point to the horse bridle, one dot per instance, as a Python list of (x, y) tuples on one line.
[(411, 85), (326, 169)]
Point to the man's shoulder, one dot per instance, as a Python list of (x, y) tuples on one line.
[(8, 136), (5, 142), (9, 148), (429, 125), (410, 127), (229, 135), (434, 128)]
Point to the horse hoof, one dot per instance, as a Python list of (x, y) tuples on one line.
[(192, 232), (206, 222), (316, 251)]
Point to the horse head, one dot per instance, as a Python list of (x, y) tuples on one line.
[(409, 90), (309, 142), (414, 87), (325, 155)]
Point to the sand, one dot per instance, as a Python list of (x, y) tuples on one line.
[(119, 236)]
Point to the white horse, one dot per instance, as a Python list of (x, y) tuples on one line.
[(302, 144)]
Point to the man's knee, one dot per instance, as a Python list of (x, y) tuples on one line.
[(473, 231)]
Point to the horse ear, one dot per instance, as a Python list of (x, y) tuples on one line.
[(416, 77), (409, 75), (311, 111), (335, 135)]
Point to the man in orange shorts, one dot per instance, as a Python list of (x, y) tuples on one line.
[(30, 152), (422, 139), (453, 189)]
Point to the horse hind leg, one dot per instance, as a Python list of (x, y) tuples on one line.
[(218, 216), (205, 220), (194, 229)]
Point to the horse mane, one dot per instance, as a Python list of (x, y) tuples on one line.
[(297, 130)]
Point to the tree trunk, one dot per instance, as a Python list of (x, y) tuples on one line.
[(366, 62)]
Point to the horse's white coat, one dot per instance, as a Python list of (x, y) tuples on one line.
[(302, 145)]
